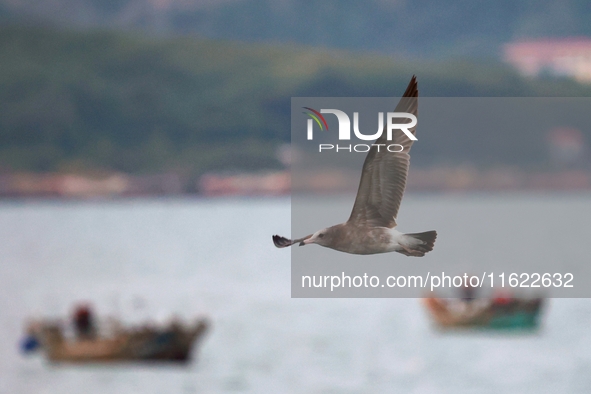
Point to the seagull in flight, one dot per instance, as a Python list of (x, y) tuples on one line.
[(372, 226)]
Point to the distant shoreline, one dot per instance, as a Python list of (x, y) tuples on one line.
[(279, 183)]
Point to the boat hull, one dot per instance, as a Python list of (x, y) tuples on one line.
[(171, 344), (514, 315)]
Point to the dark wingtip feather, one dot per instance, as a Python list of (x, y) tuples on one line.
[(281, 242), (412, 88)]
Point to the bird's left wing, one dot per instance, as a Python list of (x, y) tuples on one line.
[(383, 178), (282, 242)]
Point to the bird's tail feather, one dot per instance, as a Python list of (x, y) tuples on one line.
[(425, 243)]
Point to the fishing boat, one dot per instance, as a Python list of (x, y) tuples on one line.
[(173, 342), (502, 314)]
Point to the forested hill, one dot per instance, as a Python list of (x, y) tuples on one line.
[(74, 101), (424, 28)]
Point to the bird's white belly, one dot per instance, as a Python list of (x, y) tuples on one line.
[(396, 240), (377, 240)]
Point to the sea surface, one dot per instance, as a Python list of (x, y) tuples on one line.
[(149, 260)]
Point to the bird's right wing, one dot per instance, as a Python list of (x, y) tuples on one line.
[(282, 242), (383, 178)]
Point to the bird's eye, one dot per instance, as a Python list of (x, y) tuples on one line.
[(320, 235)]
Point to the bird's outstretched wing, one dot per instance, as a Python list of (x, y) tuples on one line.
[(383, 177), (282, 242)]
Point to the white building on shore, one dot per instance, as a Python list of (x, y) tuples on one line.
[(568, 57)]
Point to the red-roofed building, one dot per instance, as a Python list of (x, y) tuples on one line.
[(561, 57)]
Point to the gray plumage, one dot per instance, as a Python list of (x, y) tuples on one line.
[(371, 226)]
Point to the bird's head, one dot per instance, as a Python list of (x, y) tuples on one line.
[(321, 237)]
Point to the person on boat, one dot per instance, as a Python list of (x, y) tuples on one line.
[(503, 302), (84, 322), (468, 292), (502, 298)]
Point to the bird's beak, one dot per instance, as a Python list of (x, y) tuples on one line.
[(307, 241)]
